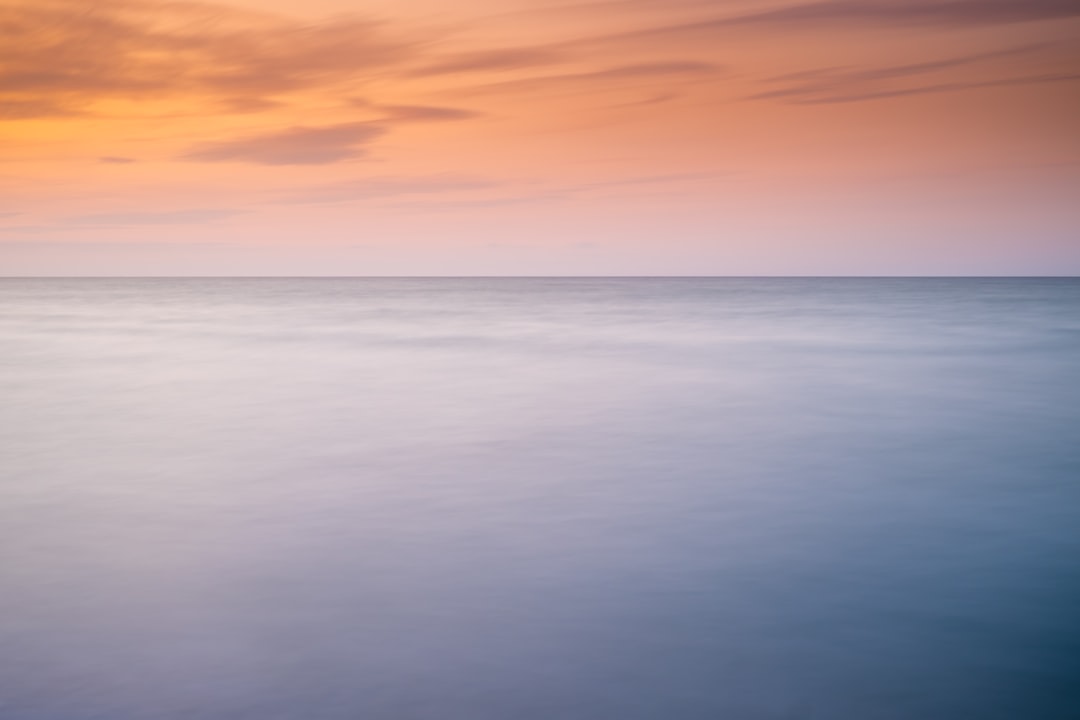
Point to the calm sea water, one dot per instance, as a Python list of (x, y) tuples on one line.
[(532, 499)]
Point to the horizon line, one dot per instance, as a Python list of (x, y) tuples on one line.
[(535, 277)]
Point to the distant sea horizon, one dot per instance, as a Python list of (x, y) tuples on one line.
[(538, 277)]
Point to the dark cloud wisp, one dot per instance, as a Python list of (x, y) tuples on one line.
[(842, 85), (863, 13), (915, 12), (293, 146), (59, 56), (424, 113), (615, 76), (490, 61)]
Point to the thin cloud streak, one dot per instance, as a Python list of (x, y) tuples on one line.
[(386, 187), (173, 217), (914, 12), (21, 108), (615, 75), (491, 61), (838, 14), (834, 97), (832, 85), (425, 113), (294, 146)]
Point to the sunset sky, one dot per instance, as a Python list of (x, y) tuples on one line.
[(539, 137)]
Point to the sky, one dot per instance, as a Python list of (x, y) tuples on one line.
[(540, 137)]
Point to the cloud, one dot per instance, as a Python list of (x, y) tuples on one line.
[(23, 230), (115, 160), (656, 99), (913, 12), (15, 108), (455, 192), (491, 60), (60, 56), (551, 196), (863, 13), (173, 217), (386, 187), (646, 70), (839, 85), (424, 113), (396, 114), (614, 74), (294, 146), (834, 97), (664, 179), (249, 104)]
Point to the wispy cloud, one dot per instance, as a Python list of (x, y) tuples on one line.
[(913, 12), (656, 99), (615, 76), (833, 96), (840, 85), (30, 230), (536, 198), (424, 113), (172, 217), (59, 56), (386, 187), (293, 146), (21, 108), (491, 60), (859, 14)]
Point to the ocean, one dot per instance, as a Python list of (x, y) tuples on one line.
[(540, 499)]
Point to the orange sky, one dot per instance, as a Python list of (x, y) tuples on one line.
[(416, 137)]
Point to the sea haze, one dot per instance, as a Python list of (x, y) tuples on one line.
[(539, 499)]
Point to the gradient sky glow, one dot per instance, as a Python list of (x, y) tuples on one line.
[(539, 137)]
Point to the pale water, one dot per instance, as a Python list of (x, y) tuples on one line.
[(531, 499)]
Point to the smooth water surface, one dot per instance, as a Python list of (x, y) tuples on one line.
[(533, 499)]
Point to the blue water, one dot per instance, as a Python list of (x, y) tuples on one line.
[(533, 499)]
